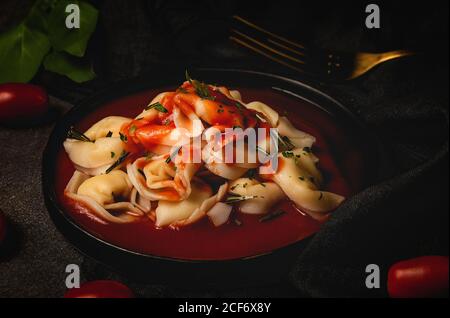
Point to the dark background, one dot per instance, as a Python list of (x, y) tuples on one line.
[(404, 102)]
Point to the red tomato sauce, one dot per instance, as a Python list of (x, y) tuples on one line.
[(342, 163)]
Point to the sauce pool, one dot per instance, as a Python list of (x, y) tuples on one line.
[(341, 162)]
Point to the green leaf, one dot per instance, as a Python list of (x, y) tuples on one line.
[(73, 41), (21, 52), (74, 68), (39, 14)]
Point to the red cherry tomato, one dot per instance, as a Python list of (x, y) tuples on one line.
[(100, 289), (2, 227), (425, 276), (21, 101)]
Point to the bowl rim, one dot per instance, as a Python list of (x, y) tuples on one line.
[(135, 85)]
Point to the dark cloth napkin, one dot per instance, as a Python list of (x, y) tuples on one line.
[(404, 102)]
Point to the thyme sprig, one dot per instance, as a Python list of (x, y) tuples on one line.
[(116, 164), (234, 198), (201, 89), (158, 106), (75, 134)]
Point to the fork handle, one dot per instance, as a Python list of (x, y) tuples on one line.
[(394, 55)]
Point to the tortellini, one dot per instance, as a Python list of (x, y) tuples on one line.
[(270, 114), (97, 195), (108, 125), (300, 180), (105, 188), (266, 195), (127, 168), (94, 158), (156, 179), (191, 209), (297, 137)]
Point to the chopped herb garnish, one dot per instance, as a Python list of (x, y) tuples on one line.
[(251, 174), (234, 187), (109, 134), (158, 106), (239, 106), (285, 143), (132, 129), (74, 134), (121, 159), (220, 110), (201, 89), (288, 154), (263, 184), (173, 155), (302, 178), (272, 216), (113, 154), (123, 137), (321, 196), (307, 149), (245, 185), (234, 198)]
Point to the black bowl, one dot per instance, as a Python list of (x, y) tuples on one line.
[(265, 268)]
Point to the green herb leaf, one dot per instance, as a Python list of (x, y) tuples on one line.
[(285, 143), (132, 129), (21, 53), (123, 137), (173, 155), (78, 70), (252, 173), (201, 89), (234, 198), (158, 106), (287, 154), (113, 154), (121, 159), (109, 134), (75, 134), (239, 106), (73, 41)]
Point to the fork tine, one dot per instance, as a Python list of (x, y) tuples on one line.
[(265, 54), (271, 49), (254, 26), (285, 47)]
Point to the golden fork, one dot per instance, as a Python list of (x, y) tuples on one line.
[(296, 56)]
